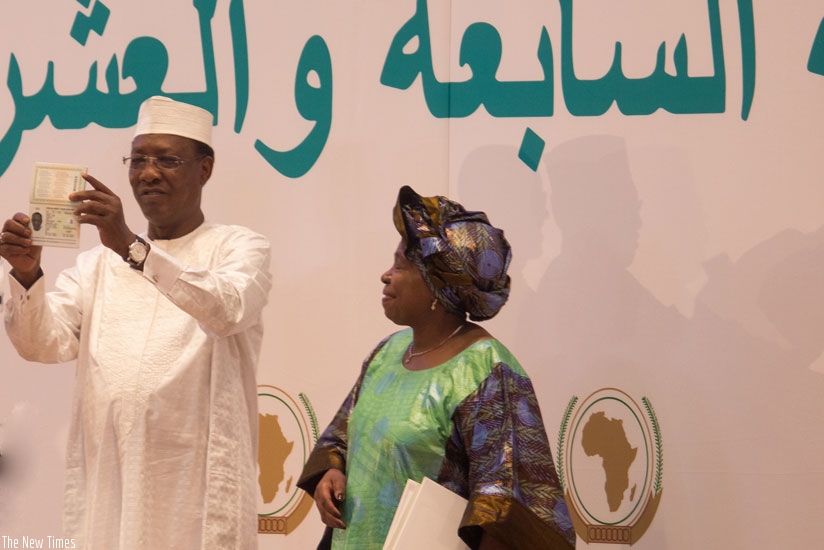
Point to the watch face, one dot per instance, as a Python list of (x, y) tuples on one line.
[(137, 251)]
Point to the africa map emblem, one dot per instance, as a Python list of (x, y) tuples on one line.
[(287, 433), (610, 463)]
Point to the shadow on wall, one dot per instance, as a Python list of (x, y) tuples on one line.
[(757, 325), (588, 304)]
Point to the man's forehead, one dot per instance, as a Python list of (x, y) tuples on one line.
[(164, 142)]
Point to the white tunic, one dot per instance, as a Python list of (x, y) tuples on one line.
[(162, 445)]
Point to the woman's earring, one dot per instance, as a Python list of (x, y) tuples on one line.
[(434, 303)]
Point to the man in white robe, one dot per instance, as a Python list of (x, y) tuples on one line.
[(166, 329)]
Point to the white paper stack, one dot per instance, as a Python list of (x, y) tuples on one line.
[(428, 516)]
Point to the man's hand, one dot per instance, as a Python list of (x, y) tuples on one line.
[(17, 249), (329, 495), (102, 208)]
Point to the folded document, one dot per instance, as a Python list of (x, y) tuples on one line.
[(428, 517)]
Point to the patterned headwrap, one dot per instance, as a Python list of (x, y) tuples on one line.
[(463, 258)]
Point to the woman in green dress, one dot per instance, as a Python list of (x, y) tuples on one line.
[(441, 399)]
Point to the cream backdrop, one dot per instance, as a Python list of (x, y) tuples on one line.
[(676, 256)]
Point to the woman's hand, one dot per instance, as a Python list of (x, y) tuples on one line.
[(329, 495)]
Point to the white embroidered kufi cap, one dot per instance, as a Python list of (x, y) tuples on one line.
[(162, 115)]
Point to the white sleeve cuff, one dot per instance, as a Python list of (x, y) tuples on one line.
[(162, 269)]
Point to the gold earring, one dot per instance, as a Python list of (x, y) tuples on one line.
[(434, 303)]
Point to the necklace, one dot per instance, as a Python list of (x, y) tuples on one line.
[(410, 354)]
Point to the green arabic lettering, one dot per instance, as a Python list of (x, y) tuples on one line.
[(313, 103)]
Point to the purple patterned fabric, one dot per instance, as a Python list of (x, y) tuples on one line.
[(463, 258), (498, 457)]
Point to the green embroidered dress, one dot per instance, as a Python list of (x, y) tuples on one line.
[(471, 423)]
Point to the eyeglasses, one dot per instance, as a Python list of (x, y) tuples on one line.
[(164, 162)]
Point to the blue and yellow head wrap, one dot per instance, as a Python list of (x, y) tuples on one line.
[(462, 258)]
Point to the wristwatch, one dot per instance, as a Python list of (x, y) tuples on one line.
[(138, 251)]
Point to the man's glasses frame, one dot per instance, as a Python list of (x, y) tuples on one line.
[(164, 162)]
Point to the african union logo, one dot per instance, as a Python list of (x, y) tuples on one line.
[(610, 462), (288, 431)]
